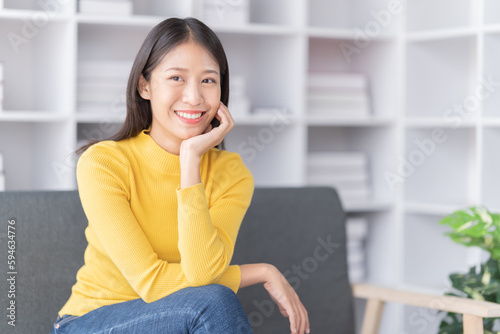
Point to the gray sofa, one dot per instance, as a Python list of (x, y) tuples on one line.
[(299, 230)]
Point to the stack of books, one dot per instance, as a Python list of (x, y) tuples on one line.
[(239, 104), (356, 232), (102, 86), (347, 172), (1, 86), (2, 175), (338, 95), (223, 12), (106, 7)]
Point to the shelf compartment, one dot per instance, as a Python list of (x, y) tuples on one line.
[(279, 12), (249, 57), (491, 72), (491, 12), (99, 42), (34, 7), (439, 76), (356, 14), (430, 255), (490, 167), (381, 243), (54, 167), (377, 61), (36, 69), (437, 166), (436, 14), (376, 142), (260, 145)]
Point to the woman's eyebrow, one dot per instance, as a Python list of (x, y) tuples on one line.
[(181, 69)]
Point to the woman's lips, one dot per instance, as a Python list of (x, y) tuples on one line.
[(190, 116)]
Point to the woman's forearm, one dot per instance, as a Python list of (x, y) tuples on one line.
[(190, 170), (255, 273)]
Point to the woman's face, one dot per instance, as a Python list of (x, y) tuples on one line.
[(184, 91)]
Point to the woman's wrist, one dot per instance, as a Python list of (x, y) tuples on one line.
[(256, 273), (190, 169)]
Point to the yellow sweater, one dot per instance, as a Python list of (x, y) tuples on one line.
[(146, 237)]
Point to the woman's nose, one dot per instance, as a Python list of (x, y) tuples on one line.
[(192, 94)]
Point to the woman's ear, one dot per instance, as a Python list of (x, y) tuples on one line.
[(143, 88)]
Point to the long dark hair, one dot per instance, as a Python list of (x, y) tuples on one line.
[(163, 38)]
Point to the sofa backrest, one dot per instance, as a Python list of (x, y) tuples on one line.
[(300, 230), (49, 246)]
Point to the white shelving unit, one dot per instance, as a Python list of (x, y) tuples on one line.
[(425, 62)]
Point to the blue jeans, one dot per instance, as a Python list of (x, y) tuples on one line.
[(201, 310)]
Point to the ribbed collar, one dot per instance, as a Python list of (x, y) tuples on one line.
[(154, 155)]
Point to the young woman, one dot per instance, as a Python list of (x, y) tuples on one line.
[(164, 205)]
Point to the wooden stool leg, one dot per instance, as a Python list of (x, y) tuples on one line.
[(373, 316), (473, 324)]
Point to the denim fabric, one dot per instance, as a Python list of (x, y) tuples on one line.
[(201, 310)]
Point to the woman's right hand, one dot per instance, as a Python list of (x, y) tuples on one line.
[(287, 300)]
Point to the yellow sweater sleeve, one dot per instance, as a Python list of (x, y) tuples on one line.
[(103, 176), (208, 231)]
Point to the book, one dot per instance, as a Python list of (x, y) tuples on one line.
[(106, 7)]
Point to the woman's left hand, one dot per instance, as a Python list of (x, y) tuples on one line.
[(211, 137)]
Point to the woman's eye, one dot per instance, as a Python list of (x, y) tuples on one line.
[(175, 78), (208, 81)]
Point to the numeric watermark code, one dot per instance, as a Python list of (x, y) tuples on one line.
[(11, 272)]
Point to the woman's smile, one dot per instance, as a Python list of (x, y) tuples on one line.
[(190, 116)]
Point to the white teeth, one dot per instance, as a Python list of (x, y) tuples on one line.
[(188, 116)]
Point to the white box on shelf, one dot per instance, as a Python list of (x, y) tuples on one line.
[(1, 4), (1, 162), (107, 7), (340, 105), (2, 181)]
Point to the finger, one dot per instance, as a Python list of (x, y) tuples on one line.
[(303, 318), (228, 113), (226, 116)]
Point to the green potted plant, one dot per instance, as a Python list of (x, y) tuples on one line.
[(475, 226)]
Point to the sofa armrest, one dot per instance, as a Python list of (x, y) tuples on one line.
[(473, 310)]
